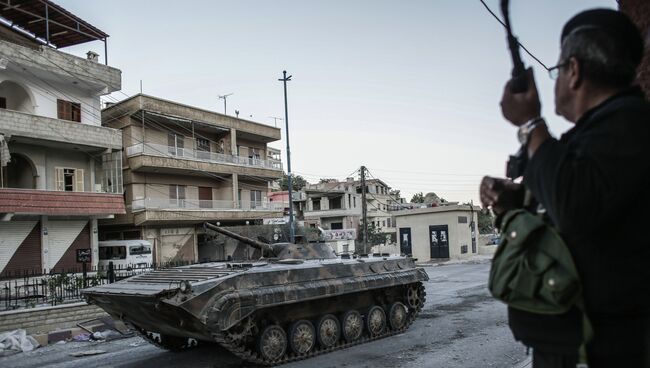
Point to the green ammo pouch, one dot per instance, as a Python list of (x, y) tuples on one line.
[(532, 268)]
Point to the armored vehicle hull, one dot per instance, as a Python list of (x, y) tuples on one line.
[(302, 301)]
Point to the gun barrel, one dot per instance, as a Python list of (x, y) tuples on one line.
[(265, 248)]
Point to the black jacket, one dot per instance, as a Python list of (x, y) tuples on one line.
[(595, 185)]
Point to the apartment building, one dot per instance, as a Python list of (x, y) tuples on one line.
[(60, 170), (331, 205), (380, 200), (184, 166)]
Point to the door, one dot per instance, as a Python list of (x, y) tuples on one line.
[(439, 240), (205, 197), (405, 240)]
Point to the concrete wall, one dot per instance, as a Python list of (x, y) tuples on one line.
[(46, 159), (45, 319), (459, 233), (43, 95)]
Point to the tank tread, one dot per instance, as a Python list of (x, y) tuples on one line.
[(253, 357)]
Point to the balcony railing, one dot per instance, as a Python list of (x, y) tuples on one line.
[(204, 205), (162, 150)]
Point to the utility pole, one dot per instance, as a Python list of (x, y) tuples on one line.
[(292, 229), (224, 97), (364, 209)]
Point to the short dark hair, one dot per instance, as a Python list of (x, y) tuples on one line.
[(603, 60)]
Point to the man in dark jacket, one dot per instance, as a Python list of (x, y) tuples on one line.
[(593, 185)]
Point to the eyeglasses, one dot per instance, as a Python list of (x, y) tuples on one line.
[(554, 72)]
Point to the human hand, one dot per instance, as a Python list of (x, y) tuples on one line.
[(501, 194), (519, 108)]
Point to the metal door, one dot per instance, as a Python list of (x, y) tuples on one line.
[(405, 240), (439, 240)]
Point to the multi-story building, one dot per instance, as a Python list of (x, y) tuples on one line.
[(60, 170), (185, 166), (331, 205), (379, 201)]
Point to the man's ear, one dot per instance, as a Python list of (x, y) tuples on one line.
[(574, 73)]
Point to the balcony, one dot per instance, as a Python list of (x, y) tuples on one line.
[(161, 210), (204, 205), (21, 124), (336, 212), (175, 157), (59, 203)]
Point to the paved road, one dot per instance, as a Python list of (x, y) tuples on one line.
[(460, 326)]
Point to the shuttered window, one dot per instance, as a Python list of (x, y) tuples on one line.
[(69, 179), (67, 110)]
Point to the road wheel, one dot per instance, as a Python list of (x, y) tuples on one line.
[(375, 321), (397, 316), (302, 337), (351, 325), (414, 296), (272, 343), (328, 331)]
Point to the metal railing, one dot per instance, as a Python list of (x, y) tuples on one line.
[(151, 203), (162, 150), (32, 288)]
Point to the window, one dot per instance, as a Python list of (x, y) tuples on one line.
[(315, 204), (335, 203), (118, 252), (462, 219), (69, 179), (3, 103), (336, 226), (67, 110), (256, 198), (177, 195), (175, 144), (388, 222), (354, 202), (383, 223)]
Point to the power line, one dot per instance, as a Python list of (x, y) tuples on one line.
[(519, 43)]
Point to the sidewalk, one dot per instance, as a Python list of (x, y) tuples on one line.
[(474, 259)]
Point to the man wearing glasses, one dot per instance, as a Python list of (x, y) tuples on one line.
[(594, 186)]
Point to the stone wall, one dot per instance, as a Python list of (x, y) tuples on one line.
[(45, 319)]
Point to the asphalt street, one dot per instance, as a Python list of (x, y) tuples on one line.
[(460, 326)]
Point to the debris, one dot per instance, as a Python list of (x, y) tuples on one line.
[(105, 335), (82, 337), (134, 344), (16, 341), (87, 353)]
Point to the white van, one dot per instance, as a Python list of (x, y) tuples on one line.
[(126, 255)]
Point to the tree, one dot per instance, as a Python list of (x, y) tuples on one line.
[(327, 180), (297, 182), (485, 222), (417, 198), (375, 237)]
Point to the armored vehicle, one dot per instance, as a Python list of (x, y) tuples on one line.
[(297, 301)]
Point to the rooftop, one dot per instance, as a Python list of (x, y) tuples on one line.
[(48, 23)]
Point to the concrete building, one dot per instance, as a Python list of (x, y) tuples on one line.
[(380, 200), (438, 232), (331, 205), (60, 170), (185, 166)]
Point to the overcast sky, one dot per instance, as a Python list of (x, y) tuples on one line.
[(409, 89)]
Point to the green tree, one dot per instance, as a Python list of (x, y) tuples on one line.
[(417, 198), (375, 237), (485, 222), (327, 180), (297, 182)]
